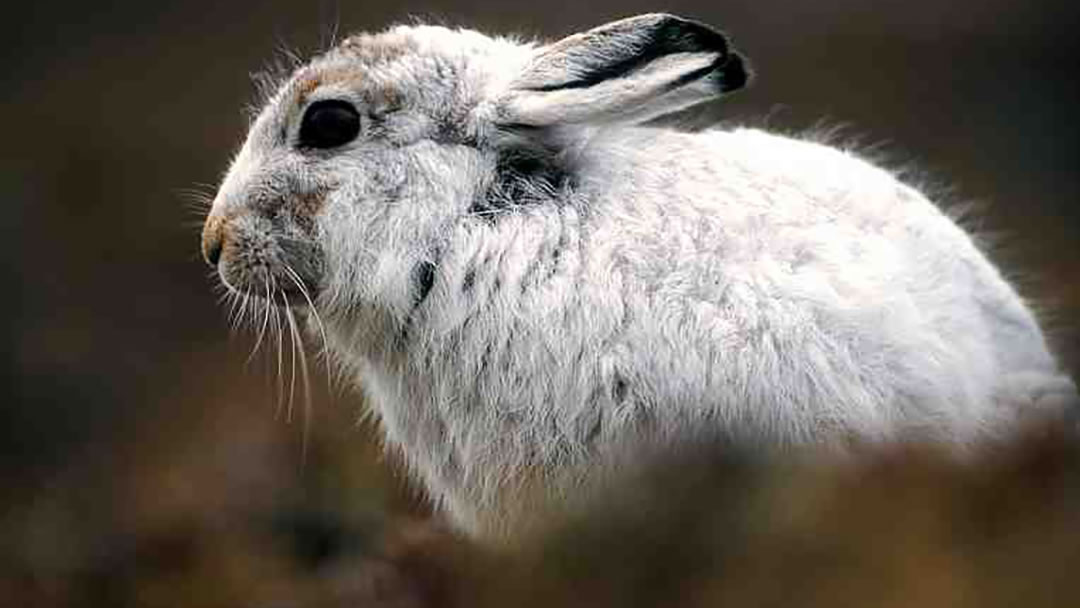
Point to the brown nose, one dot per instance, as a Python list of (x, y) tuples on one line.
[(213, 239)]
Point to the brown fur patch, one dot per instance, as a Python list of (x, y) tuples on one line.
[(387, 98), (305, 207), (379, 48), (307, 85)]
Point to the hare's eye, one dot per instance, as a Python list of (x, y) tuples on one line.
[(328, 124)]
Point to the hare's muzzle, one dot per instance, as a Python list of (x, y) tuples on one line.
[(213, 239)]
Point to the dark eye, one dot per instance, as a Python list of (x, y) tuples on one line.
[(328, 124)]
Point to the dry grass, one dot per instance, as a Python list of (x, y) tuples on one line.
[(900, 526)]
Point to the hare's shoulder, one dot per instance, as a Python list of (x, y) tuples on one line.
[(750, 169)]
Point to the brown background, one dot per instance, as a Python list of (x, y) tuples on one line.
[(118, 376)]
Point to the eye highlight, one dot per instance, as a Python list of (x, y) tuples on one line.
[(328, 124)]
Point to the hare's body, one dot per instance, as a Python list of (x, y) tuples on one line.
[(531, 289), (656, 300)]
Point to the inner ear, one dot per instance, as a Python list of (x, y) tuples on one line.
[(617, 49)]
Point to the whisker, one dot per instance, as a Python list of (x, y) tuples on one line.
[(280, 359), (198, 207), (267, 305), (305, 380), (198, 194), (292, 343), (311, 307), (245, 308), (262, 312), (240, 302), (267, 359), (235, 302), (319, 322)]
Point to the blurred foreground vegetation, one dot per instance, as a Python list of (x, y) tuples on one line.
[(227, 521)]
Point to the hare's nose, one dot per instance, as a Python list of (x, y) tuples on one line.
[(213, 239)]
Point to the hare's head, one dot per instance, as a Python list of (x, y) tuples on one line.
[(365, 161)]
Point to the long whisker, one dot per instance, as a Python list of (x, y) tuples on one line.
[(198, 199), (280, 358), (292, 343), (268, 352), (311, 306), (267, 305), (242, 311), (236, 303), (247, 309), (298, 342)]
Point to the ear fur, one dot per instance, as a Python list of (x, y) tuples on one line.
[(632, 70)]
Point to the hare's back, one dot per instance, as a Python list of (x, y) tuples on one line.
[(827, 257)]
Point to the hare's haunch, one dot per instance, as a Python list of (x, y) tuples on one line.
[(532, 285)]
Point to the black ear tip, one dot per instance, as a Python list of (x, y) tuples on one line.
[(732, 73), (675, 35)]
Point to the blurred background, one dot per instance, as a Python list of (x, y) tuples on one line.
[(127, 411)]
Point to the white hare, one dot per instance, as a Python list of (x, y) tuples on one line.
[(530, 285)]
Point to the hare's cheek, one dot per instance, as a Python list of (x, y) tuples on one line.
[(297, 265)]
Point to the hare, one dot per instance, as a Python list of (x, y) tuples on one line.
[(531, 285)]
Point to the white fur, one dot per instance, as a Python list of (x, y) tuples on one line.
[(731, 283)]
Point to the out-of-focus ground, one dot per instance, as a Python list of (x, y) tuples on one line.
[(136, 444)]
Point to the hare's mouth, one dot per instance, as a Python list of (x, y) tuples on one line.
[(283, 272), (277, 286)]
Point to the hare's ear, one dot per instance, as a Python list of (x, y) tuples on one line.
[(630, 70)]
